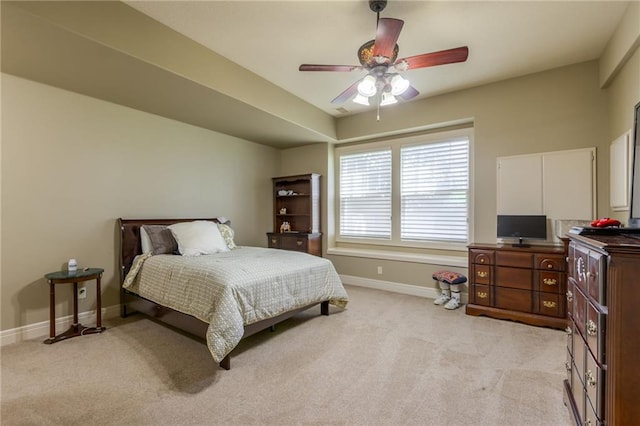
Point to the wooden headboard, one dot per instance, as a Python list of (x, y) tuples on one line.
[(130, 245)]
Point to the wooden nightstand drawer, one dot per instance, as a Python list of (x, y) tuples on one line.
[(514, 278), (295, 243), (549, 281), (514, 259), (481, 257), (551, 304), (513, 299), (482, 274), (550, 262), (482, 294)]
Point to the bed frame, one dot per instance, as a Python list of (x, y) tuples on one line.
[(130, 247)]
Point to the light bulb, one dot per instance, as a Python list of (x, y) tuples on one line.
[(367, 86), (399, 85), (359, 99), (387, 99)]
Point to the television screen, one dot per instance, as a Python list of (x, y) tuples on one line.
[(522, 227)]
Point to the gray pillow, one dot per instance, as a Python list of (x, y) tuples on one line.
[(162, 240)]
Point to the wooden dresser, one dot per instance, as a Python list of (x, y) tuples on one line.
[(525, 284), (603, 344)]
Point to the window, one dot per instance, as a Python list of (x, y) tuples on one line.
[(409, 192), (365, 194)]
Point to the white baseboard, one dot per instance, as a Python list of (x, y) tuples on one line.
[(413, 290), (41, 329)]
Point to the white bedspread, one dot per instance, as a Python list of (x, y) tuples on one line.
[(236, 288)]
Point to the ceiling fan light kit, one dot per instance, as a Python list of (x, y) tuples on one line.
[(378, 58)]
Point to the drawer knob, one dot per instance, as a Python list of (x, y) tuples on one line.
[(482, 274), (549, 281), (299, 243), (482, 294), (569, 296), (549, 266), (569, 331), (567, 365), (591, 381), (592, 328), (481, 260), (273, 241)]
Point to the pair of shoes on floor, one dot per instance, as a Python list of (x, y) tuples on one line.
[(452, 304), (447, 301)]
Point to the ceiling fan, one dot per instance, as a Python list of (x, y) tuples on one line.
[(379, 58)]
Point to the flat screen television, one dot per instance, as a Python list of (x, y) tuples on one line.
[(522, 227), (634, 216)]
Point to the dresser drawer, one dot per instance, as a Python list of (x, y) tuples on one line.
[(550, 262), (551, 304), (570, 296), (515, 259), (513, 299), (549, 281), (596, 277), (514, 277), (596, 332), (482, 295), (580, 311), (594, 383), (482, 257), (483, 274)]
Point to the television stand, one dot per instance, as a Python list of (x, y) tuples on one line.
[(520, 243)]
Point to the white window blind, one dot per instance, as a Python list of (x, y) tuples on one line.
[(434, 185), (365, 194)]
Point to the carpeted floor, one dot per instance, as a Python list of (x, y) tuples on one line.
[(389, 359)]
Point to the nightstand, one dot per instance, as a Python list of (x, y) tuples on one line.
[(65, 277)]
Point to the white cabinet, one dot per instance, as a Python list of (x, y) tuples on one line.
[(620, 166), (558, 184)]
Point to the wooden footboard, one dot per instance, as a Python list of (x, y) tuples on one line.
[(132, 303)]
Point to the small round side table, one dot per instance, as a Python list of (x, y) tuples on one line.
[(66, 277)]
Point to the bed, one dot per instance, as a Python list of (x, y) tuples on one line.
[(223, 296)]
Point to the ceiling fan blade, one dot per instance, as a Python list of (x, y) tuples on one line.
[(312, 67), (387, 36), (450, 56), (410, 93), (349, 92)]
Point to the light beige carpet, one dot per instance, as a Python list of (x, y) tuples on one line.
[(389, 359)]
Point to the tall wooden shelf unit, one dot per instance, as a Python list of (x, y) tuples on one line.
[(297, 202)]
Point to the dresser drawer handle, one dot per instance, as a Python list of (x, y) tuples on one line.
[(548, 304), (549, 266), (483, 274), (481, 260), (567, 365), (569, 331), (591, 381), (482, 294), (569, 296), (273, 241), (299, 243), (549, 281), (592, 328)]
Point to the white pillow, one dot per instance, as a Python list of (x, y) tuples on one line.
[(198, 237), (145, 240)]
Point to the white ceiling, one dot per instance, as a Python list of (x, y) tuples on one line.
[(506, 39)]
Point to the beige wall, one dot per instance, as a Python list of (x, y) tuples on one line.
[(71, 165)]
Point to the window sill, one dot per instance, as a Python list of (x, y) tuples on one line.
[(432, 259)]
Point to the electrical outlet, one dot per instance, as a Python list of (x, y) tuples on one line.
[(379, 270), (82, 292)]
